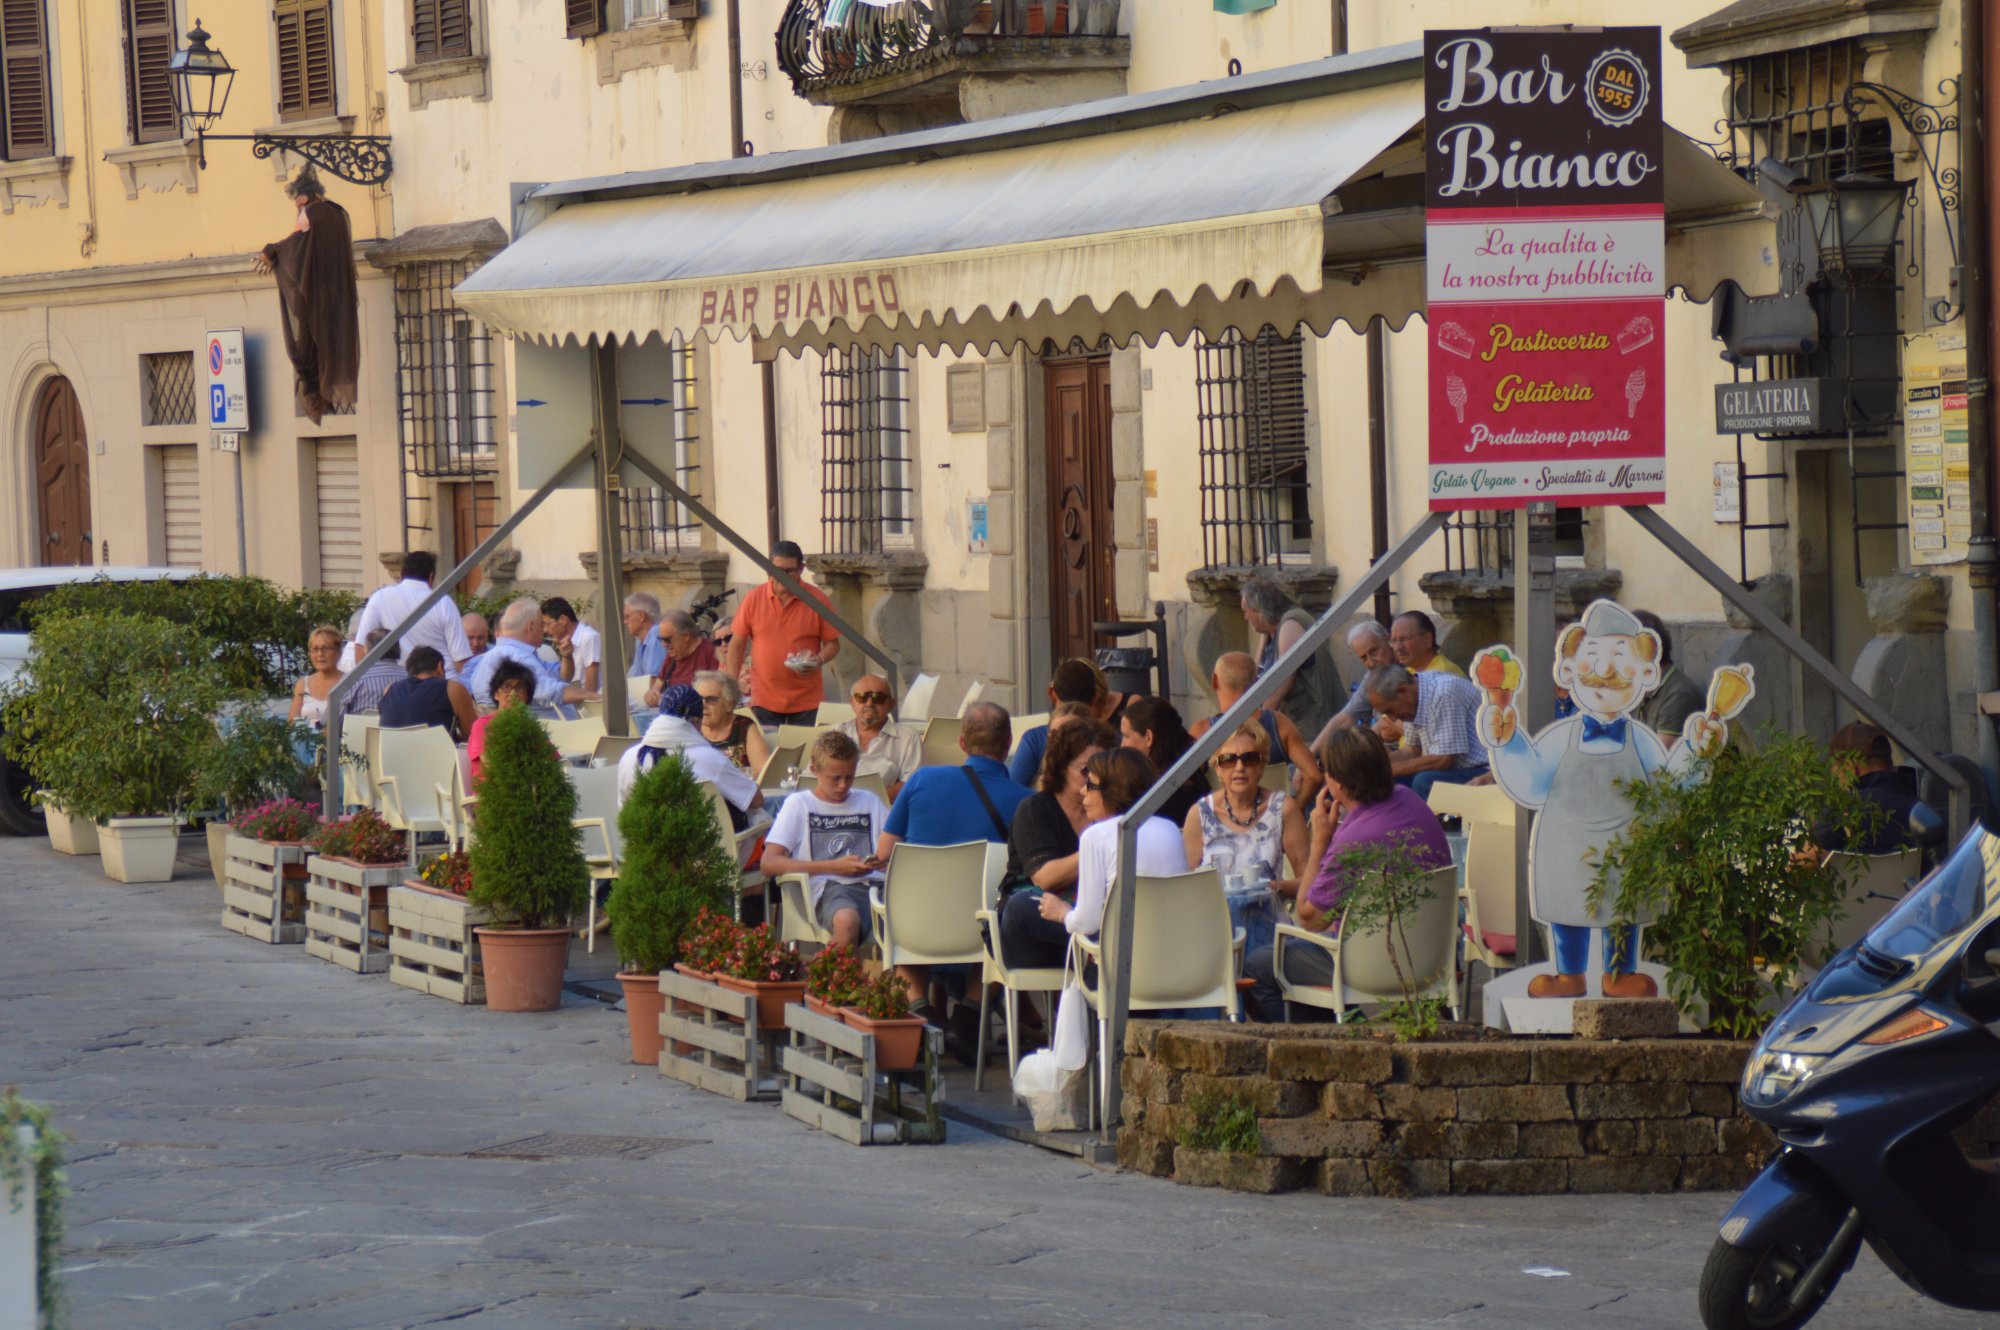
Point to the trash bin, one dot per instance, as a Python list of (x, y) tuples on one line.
[(1128, 669)]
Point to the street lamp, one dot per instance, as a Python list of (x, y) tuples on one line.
[(1855, 219), (202, 79)]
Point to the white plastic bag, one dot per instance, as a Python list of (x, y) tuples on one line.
[(1058, 1099)]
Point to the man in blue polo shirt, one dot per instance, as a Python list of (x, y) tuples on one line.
[(953, 805)]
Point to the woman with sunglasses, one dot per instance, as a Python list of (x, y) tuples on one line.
[(1042, 843), (1248, 834), (309, 695), (739, 737), (1113, 782)]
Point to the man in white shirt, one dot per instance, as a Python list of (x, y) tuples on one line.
[(889, 748), (578, 644), (519, 634), (441, 626)]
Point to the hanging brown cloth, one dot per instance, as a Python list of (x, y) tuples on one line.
[(315, 270)]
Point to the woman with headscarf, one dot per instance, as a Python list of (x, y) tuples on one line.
[(677, 729)]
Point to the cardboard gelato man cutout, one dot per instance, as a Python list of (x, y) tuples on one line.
[(1571, 771)]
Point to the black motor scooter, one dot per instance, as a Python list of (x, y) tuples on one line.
[(1863, 1079)]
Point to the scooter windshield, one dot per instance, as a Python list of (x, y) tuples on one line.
[(1946, 903)]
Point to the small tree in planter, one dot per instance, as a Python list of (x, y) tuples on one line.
[(1728, 869), (1388, 884), (113, 715), (527, 863), (675, 867), (253, 761)]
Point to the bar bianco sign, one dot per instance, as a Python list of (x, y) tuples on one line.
[(1546, 259)]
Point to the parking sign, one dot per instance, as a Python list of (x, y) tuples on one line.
[(228, 385)]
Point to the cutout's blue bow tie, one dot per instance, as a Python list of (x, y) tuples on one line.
[(1598, 729)]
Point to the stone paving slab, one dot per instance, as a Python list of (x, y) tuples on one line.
[(266, 1140)]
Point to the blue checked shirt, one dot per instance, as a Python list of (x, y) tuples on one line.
[(1447, 719)]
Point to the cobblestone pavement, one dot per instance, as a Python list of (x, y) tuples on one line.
[(265, 1140)]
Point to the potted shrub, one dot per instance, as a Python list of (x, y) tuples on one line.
[(1728, 868), (68, 833), (834, 979), (113, 717), (767, 967), (710, 942), (527, 864), (253, 761), (675, 867), (882, 1009)]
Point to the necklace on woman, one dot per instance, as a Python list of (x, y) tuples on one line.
[(1246, 821)]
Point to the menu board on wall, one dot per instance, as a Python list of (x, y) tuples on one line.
[(1937, 446), (1546, 254)]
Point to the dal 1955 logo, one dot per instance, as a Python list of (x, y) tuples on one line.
[(1618, 88)]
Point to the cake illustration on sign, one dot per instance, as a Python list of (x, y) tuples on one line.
[(1635, 388), (1637, 333), (1454, 392), (1455, 339)]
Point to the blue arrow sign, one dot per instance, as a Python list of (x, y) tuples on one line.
[(532, 401), (644, 401)]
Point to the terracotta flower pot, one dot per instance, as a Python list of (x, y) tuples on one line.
[(643, 1004), (524, 967), (898, 1043), (772, 997), (826, 1009), (693, 973)]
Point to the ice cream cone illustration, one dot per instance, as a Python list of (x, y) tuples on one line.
[(1499, 673), (1729, 690), (1454, 392), (1635, 388)]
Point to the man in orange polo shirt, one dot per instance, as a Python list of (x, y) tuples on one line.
[(789, 644)]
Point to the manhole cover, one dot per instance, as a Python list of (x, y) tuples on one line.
[(557, 1146)]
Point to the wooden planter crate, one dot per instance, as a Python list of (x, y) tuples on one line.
[(727, 1056), (347, 912), (831, 1083), (432, 947), (264, 889)]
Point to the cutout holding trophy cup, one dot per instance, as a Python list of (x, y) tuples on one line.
[(1571, 774)]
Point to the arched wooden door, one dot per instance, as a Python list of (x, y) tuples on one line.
[(62, 476)]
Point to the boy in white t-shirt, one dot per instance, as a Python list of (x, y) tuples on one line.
[(829, 834)]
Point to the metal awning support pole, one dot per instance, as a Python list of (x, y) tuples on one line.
[(330, 780), (1120, 928), (1683, 549), (610, 443), (757, 556), (1535, 644)]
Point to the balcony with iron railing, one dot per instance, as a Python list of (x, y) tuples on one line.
[(856, 53)]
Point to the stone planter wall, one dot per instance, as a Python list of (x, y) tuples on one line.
[(1349, 1113)]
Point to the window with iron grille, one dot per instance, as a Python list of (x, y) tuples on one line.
[(166, 388), (305, 58), (151, 114), (1256, 496), (26, 115), (865, 466), (440, 29), (649, 521), (639, 12), (444, 375)]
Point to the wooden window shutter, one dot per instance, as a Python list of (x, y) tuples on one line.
[(305, 58), (149, 92), (686, 10), (585, 17), (440, 29), (25, 114)]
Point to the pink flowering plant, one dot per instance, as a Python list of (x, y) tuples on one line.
[(836, 976), (710, 942), (761, 957), (886, 999), (277, 820), (363, 837)]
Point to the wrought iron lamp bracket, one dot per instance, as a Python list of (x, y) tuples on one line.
[(359, 159), (1928, 124)]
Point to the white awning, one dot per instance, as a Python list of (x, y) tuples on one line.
[(1134, 218)]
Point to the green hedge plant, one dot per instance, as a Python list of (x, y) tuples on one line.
[(675, 867), (254, 760), (114, 714), (1729, 871), (527, 859)]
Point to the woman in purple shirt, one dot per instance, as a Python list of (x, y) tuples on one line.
[(1360, 804)]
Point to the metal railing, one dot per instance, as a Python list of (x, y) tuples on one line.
[(827, 43)]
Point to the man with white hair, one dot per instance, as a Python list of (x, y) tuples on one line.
[(642, 616), (518, 639), (1369, 641)]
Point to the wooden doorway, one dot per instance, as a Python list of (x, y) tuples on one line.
[(1082, 587), (472, 520), (62, 477)]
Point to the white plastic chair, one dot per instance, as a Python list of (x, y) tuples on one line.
[(927, 908), (635, 689), (1486, 887), (1013, 982), (596, 821), (918, 699), (835, 713), (1183, 953), (941, 742), (409, 766), (575, 738), (357, 788), (780, 761), (741, 844), (1022, 724), (797, 736), (972, 694), (1883, 880), (872, 782), (797, 922), (1364, 973), (610, 748), (454, 805)]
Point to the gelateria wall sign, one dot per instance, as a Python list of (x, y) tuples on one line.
[(1546, 255)]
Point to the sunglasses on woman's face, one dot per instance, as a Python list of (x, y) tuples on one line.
[(1227, 760), (877, 698)]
